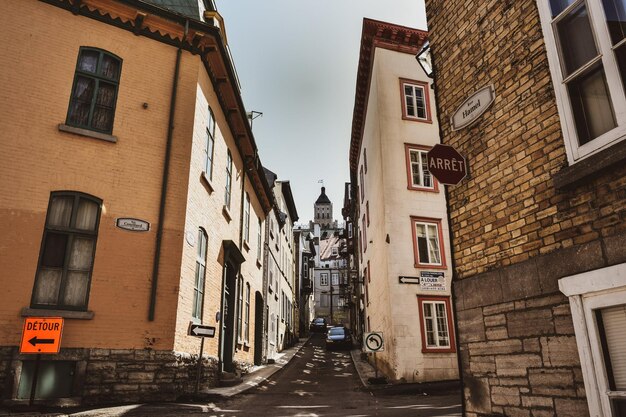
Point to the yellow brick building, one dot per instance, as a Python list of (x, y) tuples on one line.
[(539, 226), (132, 199)]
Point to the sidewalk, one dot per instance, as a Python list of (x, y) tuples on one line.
[(367, 371), (258, 374)]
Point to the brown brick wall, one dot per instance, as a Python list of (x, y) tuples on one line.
[(508, 210), (514, 233)]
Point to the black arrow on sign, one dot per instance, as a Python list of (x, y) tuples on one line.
[(34, 341)]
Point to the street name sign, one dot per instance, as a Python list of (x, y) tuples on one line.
[(41, 335), (473, 107), (134, 225), (200, 330), (408, 280), (446, 164), (373, 342)]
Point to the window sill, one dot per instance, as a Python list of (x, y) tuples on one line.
[(226, 213), (425, 266), (67, 314), (439, 350), (423, 189), (576, 173), (204, 179), (416, 119), (88, 133)]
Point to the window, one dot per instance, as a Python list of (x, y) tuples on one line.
[(324, 298), (335, 251), (210, 145), (364, 235), (324, 280), (427, 240), (361, 242), (368, 271), (94, 93), (67, 252), (367, 212), (596, 300), (365, 159), (239, 309), (362, 183), (335, 278), (198, 288), (418, 176), (247, 315), (587, 56), (246, 219), (415, 103), (229, 178), (259, 241), (436, 324)]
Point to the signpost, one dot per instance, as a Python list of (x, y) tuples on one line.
[(202, 331), (430, 280), (446, 164), (373, 342), (40, 335)]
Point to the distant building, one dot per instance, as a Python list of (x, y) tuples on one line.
[(130, 186), (540, 225), (397, 213), (331, 281)]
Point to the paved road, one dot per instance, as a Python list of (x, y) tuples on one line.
[(316, 383)]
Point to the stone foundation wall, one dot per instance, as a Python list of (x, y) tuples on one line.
[(118, 376)]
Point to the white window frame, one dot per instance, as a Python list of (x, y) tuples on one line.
[(246, 333), (422, 168), (426, 224), (324, 279), (576, 152), (414, 86), (210, 145), (246, 221), (435, 322), (587, 292)]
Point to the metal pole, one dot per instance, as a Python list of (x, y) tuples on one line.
[(33, 386), (375, 365), (199, 365)]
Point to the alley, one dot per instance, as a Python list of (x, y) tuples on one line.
[(315, 383)]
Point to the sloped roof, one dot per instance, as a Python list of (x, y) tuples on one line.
[(323, 198)]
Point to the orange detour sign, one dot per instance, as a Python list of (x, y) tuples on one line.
[(42, 335)]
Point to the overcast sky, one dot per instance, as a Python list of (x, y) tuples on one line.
[(297, 63)]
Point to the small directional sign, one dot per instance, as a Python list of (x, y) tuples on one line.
[(200, 330), (42, 335), (409, 280), (373, 342)]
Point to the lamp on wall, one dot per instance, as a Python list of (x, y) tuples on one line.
[(425, 59)]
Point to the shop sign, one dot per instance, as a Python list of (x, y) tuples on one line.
[(134, 225), (432, 281)]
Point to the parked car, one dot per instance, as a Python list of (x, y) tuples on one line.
[(338, 337), (318, 325)]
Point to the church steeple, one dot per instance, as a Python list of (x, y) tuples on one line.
[(323, 210)]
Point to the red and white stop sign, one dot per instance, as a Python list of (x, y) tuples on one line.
[(446, 164)]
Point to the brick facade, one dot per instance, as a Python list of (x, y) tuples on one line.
[(517, 227)]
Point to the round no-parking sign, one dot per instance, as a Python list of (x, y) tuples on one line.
[(373, 342)]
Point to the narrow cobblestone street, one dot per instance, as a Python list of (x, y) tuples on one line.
[(315, 383)]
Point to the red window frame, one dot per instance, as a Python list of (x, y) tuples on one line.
[(408, 147), (364, 235), (426, 88), (367, 211), (442, 250), (446, 301), (368, 271), (362, 185)]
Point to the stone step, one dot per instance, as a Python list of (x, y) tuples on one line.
[(229, 379)]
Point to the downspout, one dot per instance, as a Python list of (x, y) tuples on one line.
[(166, 166), (452, 258)]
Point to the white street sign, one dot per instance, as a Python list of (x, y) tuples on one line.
[(373, 342), (200, 330)]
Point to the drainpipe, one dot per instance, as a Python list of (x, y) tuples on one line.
[(452, 258), (166, 166)]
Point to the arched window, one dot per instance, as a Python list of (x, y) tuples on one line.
[(67, 252), (198, 288), (94, 92)]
